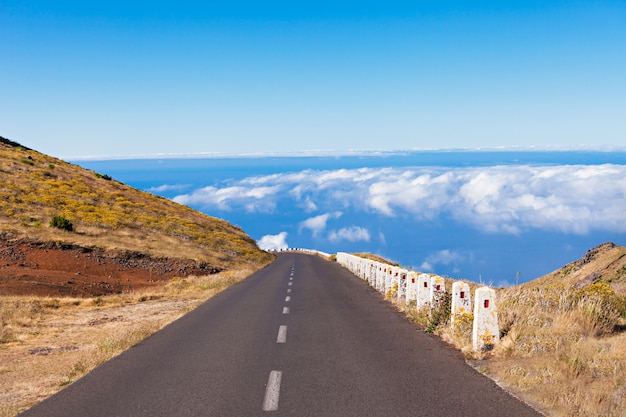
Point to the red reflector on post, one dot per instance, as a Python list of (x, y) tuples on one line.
[(486, 303)]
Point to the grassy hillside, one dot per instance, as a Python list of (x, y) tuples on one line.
[(563, 344), (34, 188)]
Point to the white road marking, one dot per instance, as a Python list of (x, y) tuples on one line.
[(288, 290), (272, 391), (282, 334), (287, 299), (290, 284), (285, 310)]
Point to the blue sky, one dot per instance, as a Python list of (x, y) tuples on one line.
[(104, 78)]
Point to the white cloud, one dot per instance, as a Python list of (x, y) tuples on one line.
[(317, 224), (167, 187), (442, 257), (252, 198), (273, 242), (351, 234)]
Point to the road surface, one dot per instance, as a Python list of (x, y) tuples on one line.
[(302, 337)]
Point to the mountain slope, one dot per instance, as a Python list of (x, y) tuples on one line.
[(109, 215), (604, 263), (563, 336)]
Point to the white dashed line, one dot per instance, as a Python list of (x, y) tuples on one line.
[(285, 310), (282, 335), (287, 299), (289, 290), (290, 284), (272, 391)]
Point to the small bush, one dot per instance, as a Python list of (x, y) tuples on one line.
[(61, 222), (103, 176), (440, 313)]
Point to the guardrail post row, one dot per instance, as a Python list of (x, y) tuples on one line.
[(486, 332)]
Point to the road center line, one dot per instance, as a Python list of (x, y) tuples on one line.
[(287, 299), (285, 310), (272, 391), (290, 284), (282, 334), (288, 290)]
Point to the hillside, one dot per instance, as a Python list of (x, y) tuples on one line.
[(118, 234), (563, 336), (604, 263)]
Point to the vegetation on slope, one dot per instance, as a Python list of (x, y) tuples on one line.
[(36, 188), (563, 343), (563, 336)]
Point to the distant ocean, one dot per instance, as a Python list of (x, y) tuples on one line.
[(486, 216)]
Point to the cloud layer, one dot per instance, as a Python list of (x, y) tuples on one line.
[(575, 199)]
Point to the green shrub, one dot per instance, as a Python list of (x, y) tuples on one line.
[(440, 313), (103, 176), (61, 222)]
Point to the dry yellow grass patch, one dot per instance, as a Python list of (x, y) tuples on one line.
[(47, 343)]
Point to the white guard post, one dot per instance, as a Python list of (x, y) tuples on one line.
[(372, 273), (437, 289), (486, 332), (402, 277), (388, 279), (411, 287), (423, 291), (461, 301)]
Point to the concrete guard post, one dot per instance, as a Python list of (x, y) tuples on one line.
[(437, 288), (373, 267), (388, 279), (393, 278), (381, 277), (423, 291), (486, 332), (359, 268), (379, 274), (411, 287), (461, 301), (402, 282)]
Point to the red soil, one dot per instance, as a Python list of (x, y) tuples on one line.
[(62, 270)]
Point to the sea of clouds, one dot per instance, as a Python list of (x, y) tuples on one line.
[(506, 199)]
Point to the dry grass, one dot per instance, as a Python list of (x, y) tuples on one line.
[(47, 343), (563, 349)]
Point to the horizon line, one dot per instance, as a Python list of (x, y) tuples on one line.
[(351, 152)]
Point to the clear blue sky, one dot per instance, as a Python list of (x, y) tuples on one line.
[(113, 77)]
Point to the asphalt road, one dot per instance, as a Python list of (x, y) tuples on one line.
[(302, 337)]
